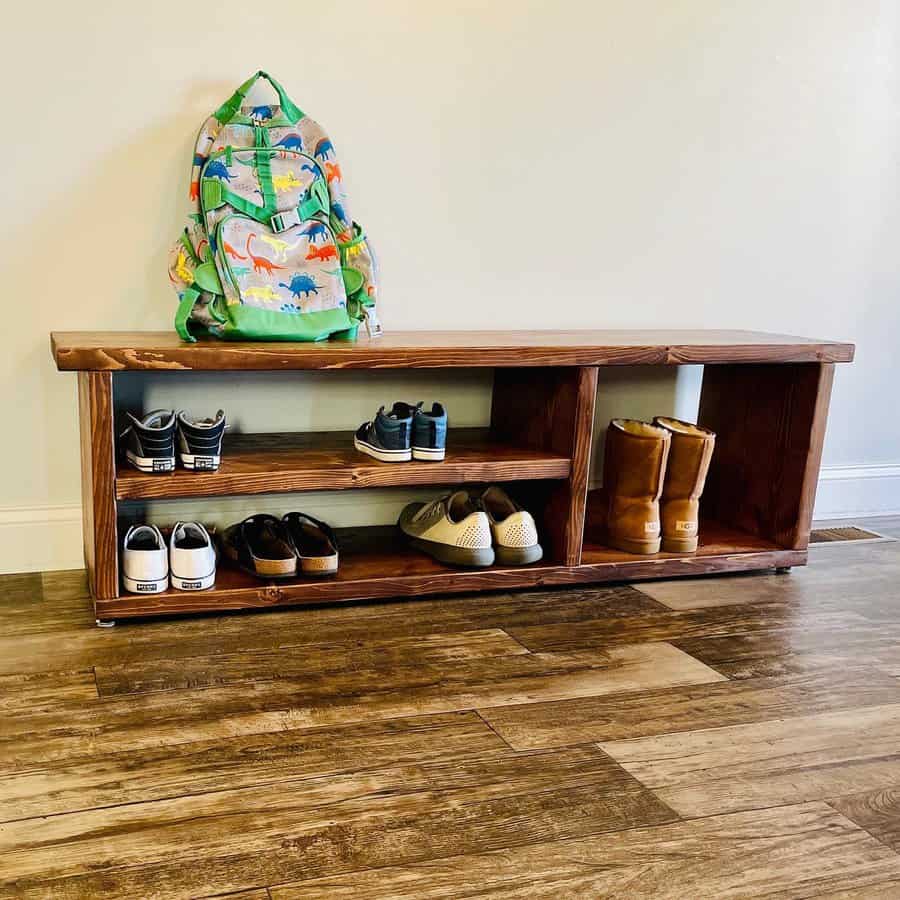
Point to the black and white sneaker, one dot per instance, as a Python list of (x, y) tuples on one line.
[(145, 560), (200, 441), (150, 442)]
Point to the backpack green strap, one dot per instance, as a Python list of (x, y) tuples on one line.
[(229, 109), (189, 298)]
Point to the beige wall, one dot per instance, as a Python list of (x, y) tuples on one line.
[(692, 163)]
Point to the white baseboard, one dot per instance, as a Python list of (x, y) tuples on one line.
[(40, 538), (45, 538), (855, 492)]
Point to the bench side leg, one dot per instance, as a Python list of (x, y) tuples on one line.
[(98, 479)]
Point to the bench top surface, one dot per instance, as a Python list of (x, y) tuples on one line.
[(159, 350)]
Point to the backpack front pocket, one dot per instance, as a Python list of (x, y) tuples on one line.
[(294, 272)]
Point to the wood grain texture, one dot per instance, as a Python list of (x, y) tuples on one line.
[(270, 463), (297, 662), (852, 576), (672, 625), (66, 646), (301, 829), (97, 779), (711, 771), (789, 651), (98, 502), (113, 350), (770, 424), (797, 851), (418, 750), (377, 563), (552, 410), (533, 726), (877, 811), (131, 722)]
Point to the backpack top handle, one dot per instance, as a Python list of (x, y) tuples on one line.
[(229, 109)]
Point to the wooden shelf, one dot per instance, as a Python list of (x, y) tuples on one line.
[(322, 461), (115, 350), (376, 562)]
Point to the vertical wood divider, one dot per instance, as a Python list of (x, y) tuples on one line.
[(552, 409), (98, 481)]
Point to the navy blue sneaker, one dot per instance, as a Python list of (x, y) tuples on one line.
[(388, 436), (429, 440), (149, 442)]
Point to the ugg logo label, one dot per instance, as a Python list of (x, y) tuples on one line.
[(685, 526), (651, 527)]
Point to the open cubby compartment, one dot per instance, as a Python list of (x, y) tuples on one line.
[(756, 509), (376, 561)]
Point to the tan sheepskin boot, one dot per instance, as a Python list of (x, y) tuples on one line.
[(689, 456), (634, 467)]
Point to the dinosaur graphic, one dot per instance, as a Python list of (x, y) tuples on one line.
[(181, 269), (286, 182), (323, 148), (315, 231), (231, 251), (280, 247), (266, 293), (329, 251), (260, 263), (216, 169), (333, 172), (240, 271), (261, 112), (290, 142), (195, 190), (301, 284), (338, 210), (355, 250)]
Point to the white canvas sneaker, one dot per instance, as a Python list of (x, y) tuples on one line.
[(513, 529), (145, 561), (192, 557), (451, 529)]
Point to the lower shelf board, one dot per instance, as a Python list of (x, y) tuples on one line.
[(376, 563)]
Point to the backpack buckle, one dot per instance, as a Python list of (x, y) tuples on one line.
[(284, 220)]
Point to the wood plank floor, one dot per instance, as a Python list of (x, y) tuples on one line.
[(703, 738)]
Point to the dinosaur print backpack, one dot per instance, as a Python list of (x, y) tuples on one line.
[(270, 252)]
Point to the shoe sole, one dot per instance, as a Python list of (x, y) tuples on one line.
[(639, 548), (380, 454), (319, 565), (679, 545), (518, 556), (429, 454), (151, 464), (193, 584), (139, 586), (197, 463), (454, 556)]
